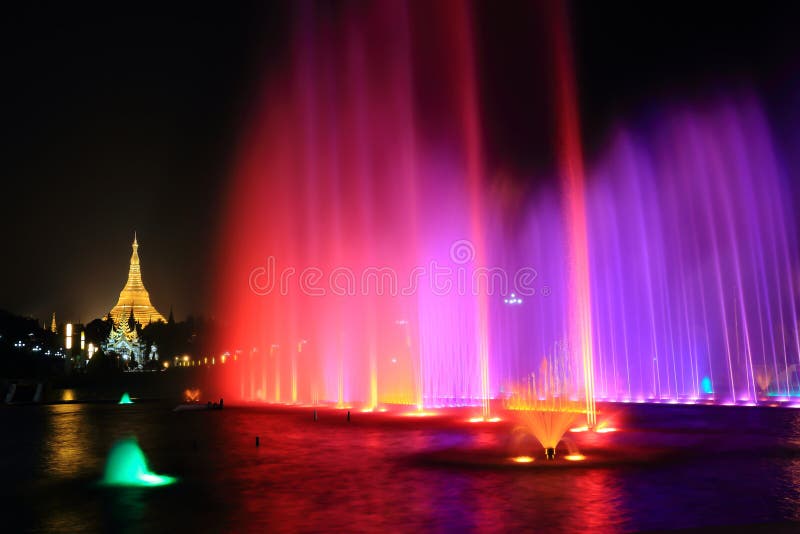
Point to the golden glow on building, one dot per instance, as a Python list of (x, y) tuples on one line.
[(134, 296)]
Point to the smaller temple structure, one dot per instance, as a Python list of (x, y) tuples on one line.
[(124, 341)]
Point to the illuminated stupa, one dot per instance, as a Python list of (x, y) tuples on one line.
[(134, 297)]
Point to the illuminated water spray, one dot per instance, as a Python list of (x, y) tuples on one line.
[(573, 177), (354, 186), (127, 466), (666, 267)]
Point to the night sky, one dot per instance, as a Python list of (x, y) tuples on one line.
[(125, 117)]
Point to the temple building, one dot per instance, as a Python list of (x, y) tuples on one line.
[(134, 297), (124, 341)]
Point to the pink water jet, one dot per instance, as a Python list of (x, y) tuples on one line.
[(661, 270)]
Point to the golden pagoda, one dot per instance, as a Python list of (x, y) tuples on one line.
[(134, 296)]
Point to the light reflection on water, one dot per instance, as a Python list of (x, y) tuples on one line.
[(741, 468), (63, 451)]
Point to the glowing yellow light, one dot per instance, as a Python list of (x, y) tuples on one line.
[(420, 414), (606, 429), (166, 364), (69, 329), (83, 340), (574, 457), (579, 429), (186, 358), (522, 459), (484, 420), (222, 358)]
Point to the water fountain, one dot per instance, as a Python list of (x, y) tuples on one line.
[(665, 266), (125, 399), (127, 466), (546, 407)]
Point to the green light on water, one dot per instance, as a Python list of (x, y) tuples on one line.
[(127, 466), (125, 399)]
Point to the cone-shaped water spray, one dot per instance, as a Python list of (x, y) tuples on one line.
[(125, 399), (127, 466)]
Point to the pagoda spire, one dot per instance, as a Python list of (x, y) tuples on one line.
[(134, 298), (134, 255)]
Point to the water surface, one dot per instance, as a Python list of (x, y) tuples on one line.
[(726, 466)]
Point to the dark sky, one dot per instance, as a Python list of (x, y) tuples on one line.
[(123, 117)]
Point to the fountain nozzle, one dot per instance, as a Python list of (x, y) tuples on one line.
[(550, 453)]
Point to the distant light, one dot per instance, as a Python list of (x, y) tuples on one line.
[(522, 459), (574, 457), (706, 385), (484, 420), (605, 430)]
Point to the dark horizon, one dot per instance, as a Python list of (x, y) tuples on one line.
[(119, 122)]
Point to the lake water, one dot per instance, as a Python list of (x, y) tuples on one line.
[(703, 466)]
